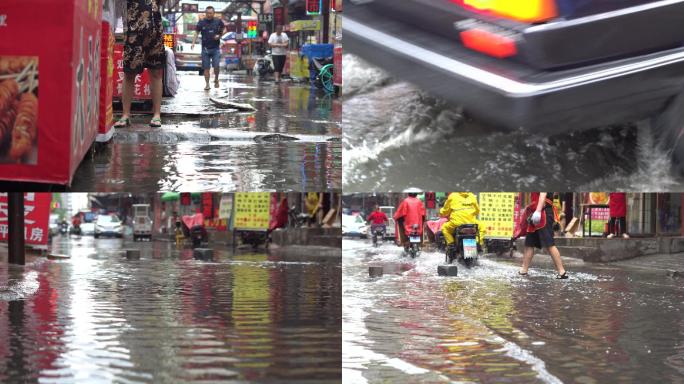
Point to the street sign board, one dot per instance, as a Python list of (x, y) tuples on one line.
[(36, 217), (226, 207), (190, 8), (313, 7), (265, 18), (252, 211), (496, 214)]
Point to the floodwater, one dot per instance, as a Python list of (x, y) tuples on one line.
[(291, 142), (607, 323), (168, 318), (398, 136)]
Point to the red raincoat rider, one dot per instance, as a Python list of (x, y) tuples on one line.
[(411, 211)]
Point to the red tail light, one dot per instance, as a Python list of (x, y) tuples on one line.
[(489, 43)]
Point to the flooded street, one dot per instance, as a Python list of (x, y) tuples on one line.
[(607, 323), (397, 136), (291, 142), (168, 318)]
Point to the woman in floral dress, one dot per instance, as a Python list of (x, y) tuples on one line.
[(144, 48)]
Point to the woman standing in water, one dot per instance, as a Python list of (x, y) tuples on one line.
[(144, 48)]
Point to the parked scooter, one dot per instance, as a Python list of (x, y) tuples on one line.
[(264, 66), (414, 241), (465, 249), (63, 228), (194, 228), (297, 219)]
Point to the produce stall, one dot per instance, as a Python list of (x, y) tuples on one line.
[(49, 104)]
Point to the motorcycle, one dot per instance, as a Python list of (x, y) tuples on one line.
[(297, 219), (378, 231), (414, 242), (193, 227), (264, 66), (466, 248)]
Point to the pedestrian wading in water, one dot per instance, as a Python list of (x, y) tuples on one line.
[(144, 48), (536, 225)]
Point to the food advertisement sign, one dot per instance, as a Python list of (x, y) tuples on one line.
[(252, 211), (497, 211), (36, 217), (49, 93)]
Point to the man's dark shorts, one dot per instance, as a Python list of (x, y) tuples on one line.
[(543, 237), (278, 63)]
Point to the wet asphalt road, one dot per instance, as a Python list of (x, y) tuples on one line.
[(168, 318), (205, 148), (607, 323)]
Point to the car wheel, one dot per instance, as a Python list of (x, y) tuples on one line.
[(97, 236)]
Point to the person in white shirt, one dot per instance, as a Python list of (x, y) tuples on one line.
[(279, 43)]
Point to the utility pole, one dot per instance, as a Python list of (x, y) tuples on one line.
[(325, 12), (15, 213)]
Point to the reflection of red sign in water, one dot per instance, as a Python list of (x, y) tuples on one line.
[(36, 215), (337, 58), (208, 205), (106, 92), (143, 90)]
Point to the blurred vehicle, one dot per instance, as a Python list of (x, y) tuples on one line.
[(354, 225), (53, 225), (188, 58), (142, 224), (390, 231), (547, 65), (106, 225)]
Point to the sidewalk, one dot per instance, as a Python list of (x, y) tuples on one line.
[(598, 249)]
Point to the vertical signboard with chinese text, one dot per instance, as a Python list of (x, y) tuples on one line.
[(36, 217), (252, 211), (497, 211)]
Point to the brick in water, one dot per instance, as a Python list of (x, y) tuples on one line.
[(447, 270), (375, 271), (203, 253), (133, 254)]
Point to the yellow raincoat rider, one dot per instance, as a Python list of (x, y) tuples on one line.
[(460, 208)]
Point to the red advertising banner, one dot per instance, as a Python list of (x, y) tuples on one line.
[(50, 90), (337, 61), (36, 217), (106, 125), (208, 205), (143, 90)]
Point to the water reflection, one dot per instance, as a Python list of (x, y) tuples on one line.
[(202, 147), (167, 317), (606, 324)]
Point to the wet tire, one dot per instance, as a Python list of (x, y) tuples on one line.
[(469, 262)]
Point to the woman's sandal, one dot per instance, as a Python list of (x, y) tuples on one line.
[(522, 273), (123, 122), (563, 276), (156, 123)]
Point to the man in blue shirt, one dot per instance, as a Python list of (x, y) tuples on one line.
[(211, 29)]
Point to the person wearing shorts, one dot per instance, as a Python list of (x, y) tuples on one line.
[(542, 237), (144, 48), (279, 43), (211, 29)]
